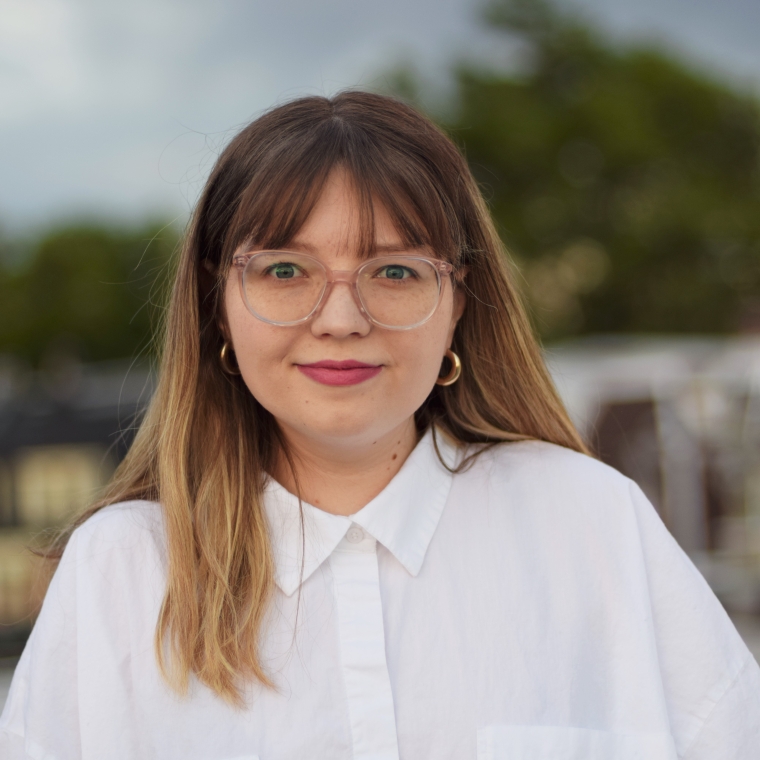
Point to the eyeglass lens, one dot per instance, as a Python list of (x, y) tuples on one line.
[(395, 291)]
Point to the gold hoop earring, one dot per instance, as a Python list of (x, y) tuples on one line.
[(224, 360), (454, 373)]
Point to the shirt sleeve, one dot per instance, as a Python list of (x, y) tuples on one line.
[(732, 729), (710, 679), (73, 689), (41, 712)]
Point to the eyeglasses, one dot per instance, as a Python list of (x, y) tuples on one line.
[(394, 292)]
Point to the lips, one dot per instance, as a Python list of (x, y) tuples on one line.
[(346, 372)]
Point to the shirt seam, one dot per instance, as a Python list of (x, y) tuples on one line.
[(648, 585), (632, 486), (729, 686)]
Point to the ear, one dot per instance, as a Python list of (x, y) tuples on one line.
[(207, 279), (221, 324), (460, 301), (221, 321), (206, 276)]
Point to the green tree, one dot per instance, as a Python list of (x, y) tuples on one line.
[(86, 289), (626, 184)]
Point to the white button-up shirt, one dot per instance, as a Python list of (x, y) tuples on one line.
[(532, 607)]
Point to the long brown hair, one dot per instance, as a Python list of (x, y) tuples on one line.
[(206, 444)]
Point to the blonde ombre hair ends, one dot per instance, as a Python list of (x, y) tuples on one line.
[(205, 444)]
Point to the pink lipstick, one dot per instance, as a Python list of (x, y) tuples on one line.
[(348, 372)]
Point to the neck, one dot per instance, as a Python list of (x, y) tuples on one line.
[(342, 476)]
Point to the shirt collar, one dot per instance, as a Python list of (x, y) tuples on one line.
[(402, 517)]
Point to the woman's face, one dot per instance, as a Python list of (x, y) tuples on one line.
[(276, 362)]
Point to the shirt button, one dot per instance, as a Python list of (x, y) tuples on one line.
[(355, 535)]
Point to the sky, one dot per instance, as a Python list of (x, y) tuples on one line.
[(117, 110)]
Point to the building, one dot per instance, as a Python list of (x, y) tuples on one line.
[(61, 435), (681, 416)]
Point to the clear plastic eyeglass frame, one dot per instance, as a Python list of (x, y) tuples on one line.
[(351, 278)]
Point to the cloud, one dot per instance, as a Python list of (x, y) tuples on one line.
[(41, 65), (121, 107)]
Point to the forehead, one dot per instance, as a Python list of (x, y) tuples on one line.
[(336, 221), (343, 222)]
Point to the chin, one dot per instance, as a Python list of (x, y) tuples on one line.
[(342, 424)]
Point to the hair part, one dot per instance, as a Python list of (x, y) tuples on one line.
[(260, 192)]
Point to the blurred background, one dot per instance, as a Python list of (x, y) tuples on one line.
[(617, 144)]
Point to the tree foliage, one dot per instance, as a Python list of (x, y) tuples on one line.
[(626, 184), (86, 290)]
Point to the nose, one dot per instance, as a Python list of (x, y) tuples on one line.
[(340, 315)]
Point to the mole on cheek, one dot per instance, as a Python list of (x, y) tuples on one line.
[(395, 456)]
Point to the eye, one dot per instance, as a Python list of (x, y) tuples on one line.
[(285, 271), (395, 272)]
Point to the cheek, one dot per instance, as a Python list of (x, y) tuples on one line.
[(419, 355), (259, 347), (421, 358)]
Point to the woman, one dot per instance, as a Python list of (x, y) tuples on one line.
[(356, 521)]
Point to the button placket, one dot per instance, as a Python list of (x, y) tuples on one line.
[(362, 642)]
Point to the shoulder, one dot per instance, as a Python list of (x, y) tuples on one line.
[(119, 523), (546, 468), (126, 529), (549, 492)]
